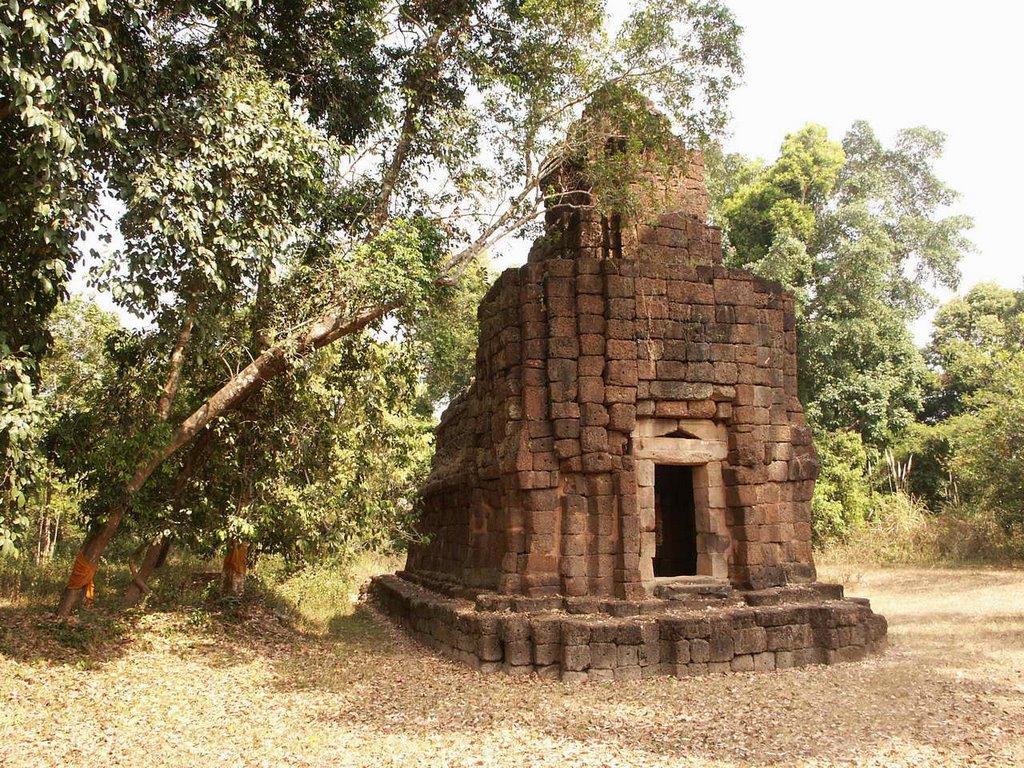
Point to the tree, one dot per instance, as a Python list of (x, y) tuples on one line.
[(857, 231), (59, 70), (725, 174), (967, 331), (885, 239), (445, 341), (964, 441), (986, 458), (331, 457), (69, 375), (70, 75), (367, 201), (780, 206)]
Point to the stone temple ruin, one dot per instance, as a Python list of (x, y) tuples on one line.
[(625, 488)]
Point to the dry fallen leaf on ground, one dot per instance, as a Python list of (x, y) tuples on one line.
[(948, 692)]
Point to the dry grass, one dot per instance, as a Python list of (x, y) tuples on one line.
[(197, 689), (904, 532)]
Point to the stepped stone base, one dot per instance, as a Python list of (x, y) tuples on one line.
[(587, 638)]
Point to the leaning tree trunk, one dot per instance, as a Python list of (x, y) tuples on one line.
[(328, 328), (84, 569), (156, 554), (80, 582)]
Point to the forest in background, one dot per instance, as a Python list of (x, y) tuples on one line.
[(921, 449), (309, 196)]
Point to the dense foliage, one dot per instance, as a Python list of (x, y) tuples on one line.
[(971, 439), (859, 232), (59, 69)]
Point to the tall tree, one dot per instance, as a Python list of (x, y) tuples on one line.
[(884, 240), (858, 231), (781, 204), (89, 88), (59, 70)]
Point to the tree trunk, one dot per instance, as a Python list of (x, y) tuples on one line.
[(165, 550), (43, 519), (47, 526), (52, 543), (101, 535), (95, 543), (177, 362), (234, 569), (432, 59), (155, 555)]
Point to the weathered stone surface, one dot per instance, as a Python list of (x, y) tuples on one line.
[(617, 347), (659, 637)]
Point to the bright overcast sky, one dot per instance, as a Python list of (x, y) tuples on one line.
[(954, 67)]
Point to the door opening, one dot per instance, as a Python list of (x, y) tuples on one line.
[(675, 523)]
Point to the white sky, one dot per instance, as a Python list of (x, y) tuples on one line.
[(955, 67)]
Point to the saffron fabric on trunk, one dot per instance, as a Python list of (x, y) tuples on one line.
[(235, 560), (82, 574)]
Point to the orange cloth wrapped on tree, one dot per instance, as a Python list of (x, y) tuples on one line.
[(82, 573), (236, 559)]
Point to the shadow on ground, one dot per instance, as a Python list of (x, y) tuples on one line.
[(30, 634)]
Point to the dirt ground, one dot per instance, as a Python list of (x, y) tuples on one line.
[(188, 689)]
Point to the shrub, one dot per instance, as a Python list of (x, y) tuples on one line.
[(988, 449), (902, 531), (843, 495)]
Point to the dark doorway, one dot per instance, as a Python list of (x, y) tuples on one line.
[(675, 551)]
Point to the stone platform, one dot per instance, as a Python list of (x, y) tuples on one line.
[(699, 629)]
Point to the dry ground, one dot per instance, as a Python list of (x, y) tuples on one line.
[(188, 689)]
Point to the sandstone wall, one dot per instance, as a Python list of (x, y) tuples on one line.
[(534, 488)]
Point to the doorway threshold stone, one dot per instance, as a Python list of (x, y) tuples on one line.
[(685, 587)]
